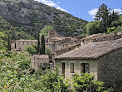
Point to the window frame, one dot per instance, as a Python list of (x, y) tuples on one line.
[(73, 67)]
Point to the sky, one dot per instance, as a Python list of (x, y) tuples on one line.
[(84, 9)]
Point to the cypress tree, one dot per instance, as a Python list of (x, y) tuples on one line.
[(42, 51), (9, 43), (38, 44)]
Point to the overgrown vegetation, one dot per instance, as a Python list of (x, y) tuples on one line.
[(16, 75), (106, 21), (87, 83)]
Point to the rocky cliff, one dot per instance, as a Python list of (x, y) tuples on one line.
[(31, 14)]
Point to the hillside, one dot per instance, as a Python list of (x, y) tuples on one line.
[(31, 16)]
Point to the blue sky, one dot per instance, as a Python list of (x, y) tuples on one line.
[(84, 9)]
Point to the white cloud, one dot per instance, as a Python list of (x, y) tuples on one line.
[(51, 3), (118, 10), (93, 12)]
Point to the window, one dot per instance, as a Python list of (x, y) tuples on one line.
[(84, 67), (34, 63), (40, 65), (71, 67), (45, 64), (27, 43)]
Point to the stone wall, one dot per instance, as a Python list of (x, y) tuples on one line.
[(21, 45), (39, 63), (110, 68), (77, 67)]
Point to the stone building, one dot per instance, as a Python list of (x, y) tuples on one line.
[(59, 45), (21, 44), (39, 62), (102, 59), (101, 37)]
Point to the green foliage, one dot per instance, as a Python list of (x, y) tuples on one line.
[(14, 72), (87, 83), (112, 29), (53, 82), (42, 51), (103, 14), (93, 28), (9, 43), (45, 30), (119, 28), (31, 50), (106, 21), (38, 44), (48, 51)]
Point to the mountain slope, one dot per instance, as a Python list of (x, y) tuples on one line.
[(34, 15)]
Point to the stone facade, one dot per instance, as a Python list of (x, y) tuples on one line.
[(110, 68), (77, 67), (22, 44), (39, 61), (104, 60), (60, 45)]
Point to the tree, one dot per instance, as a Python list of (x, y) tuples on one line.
[(30, 49), (38, 44), (87, 83), (53, 82), (48, 52), (45, 30), (9, 43), (103, 15), (42, 51), (114, 15), (94, 28)]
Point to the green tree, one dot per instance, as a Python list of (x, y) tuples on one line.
[(9, 43), (113, 16), (87, 83), (42, 51), (103, 15), (48, 52), (31, 50), (93, 28), (45, 30), (38, 44), (53, 82)]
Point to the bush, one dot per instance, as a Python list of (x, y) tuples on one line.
[(30, 49), (87, 83)]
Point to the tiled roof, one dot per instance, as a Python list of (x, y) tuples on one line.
[(41, 56), (26, 40), (92, 50)]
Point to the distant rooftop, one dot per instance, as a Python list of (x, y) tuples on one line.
[(26, 40), (41, 56), (92, 50)]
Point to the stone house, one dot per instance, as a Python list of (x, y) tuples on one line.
[(21, 44), (101, 59), (39, 62), (101, 37)]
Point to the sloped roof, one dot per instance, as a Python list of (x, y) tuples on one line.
[(92, 50), (41, 56), (26, 40)]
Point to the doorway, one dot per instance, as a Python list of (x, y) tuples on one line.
[(63, 69)]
